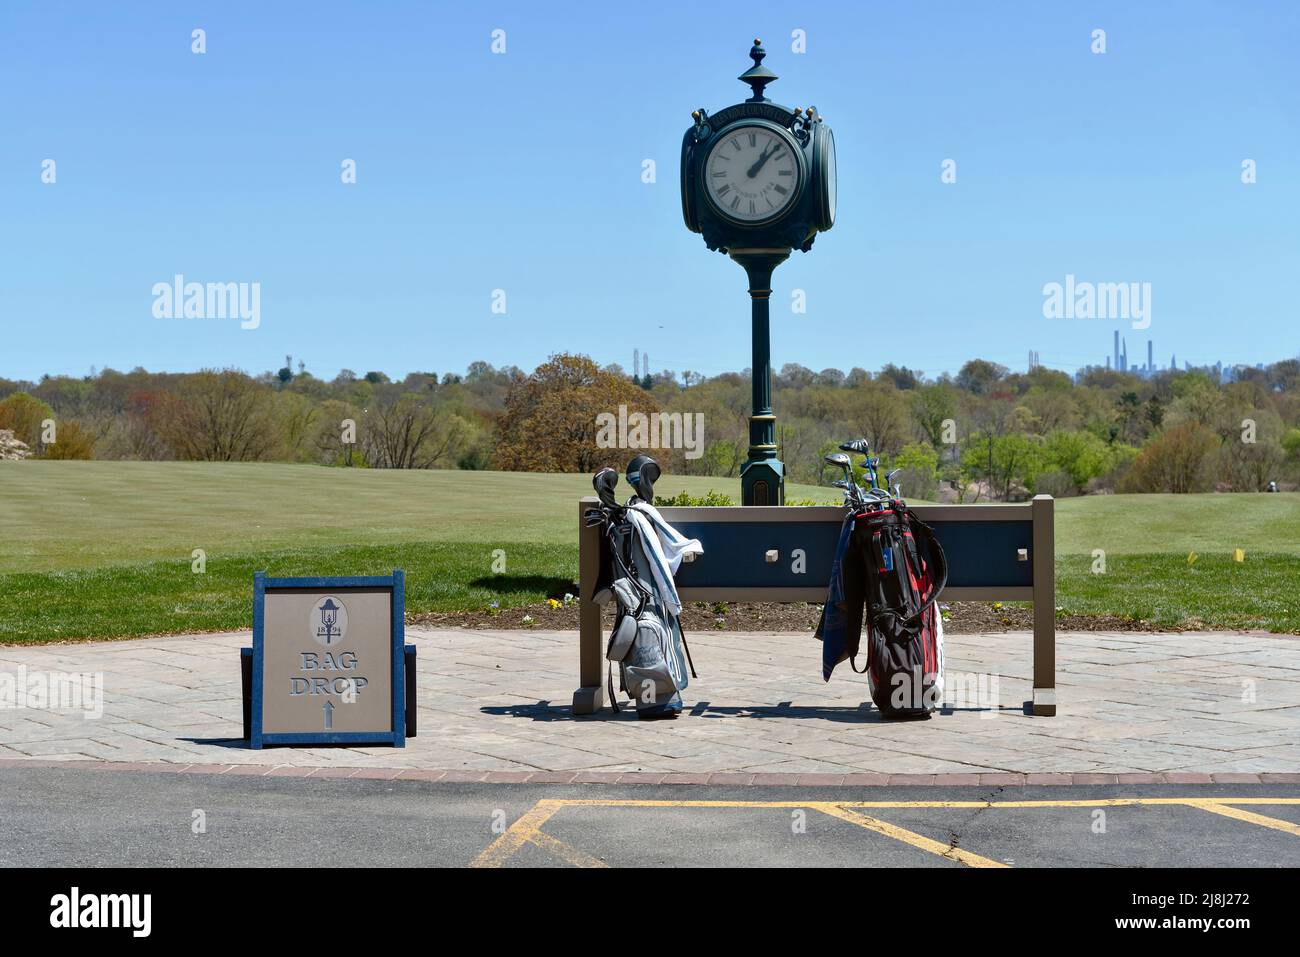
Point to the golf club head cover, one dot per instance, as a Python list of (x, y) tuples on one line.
[(604, 482), (642, 473)]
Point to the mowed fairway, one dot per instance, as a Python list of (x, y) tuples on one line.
[(104, 549), (74, 515)]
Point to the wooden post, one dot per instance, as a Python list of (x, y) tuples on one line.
[(1044, 559), (590, 696)]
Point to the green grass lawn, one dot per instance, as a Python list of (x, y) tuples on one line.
[(103, 549), (57, 516)]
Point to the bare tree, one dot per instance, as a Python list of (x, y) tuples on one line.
[(403, 432), (219, 417)]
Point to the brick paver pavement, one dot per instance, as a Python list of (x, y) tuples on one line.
[(1179, 706)]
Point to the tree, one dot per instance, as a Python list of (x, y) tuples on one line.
[(902, 377), (932, 405), (403, 432), (979, 376), (1080, 455), (878, 409), (1003, 462), (920, 464), (218, 417), (550, 422), (23, 414)]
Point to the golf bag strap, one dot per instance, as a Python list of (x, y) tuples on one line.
[(869, 620), (934, 552), (687, 649), (613, 698)]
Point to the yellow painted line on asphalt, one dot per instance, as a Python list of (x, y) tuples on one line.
[(523, 831), (566, 851), (1227, 810), (527, 829), (907, 837)]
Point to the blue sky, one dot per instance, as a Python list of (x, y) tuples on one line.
[(522, 172)]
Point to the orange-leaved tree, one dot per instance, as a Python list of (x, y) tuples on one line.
[(551, 419)]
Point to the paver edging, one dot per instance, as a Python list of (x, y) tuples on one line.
[(675, 778)]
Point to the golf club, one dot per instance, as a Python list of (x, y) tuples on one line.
[(851, 490)]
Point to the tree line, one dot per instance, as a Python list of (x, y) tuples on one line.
[(985, 433)]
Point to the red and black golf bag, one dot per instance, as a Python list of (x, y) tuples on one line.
[(887, 577)]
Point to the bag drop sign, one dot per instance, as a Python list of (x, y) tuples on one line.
[(327, 661)]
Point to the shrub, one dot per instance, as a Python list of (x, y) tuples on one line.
[(686, 498), (1177, 460)]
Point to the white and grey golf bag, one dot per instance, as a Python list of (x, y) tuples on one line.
[(646, 642)]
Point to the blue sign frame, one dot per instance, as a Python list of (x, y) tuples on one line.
[(397, 736)]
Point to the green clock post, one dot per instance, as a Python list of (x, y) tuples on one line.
[(758, 180)]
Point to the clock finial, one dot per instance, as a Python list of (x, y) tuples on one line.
[(757, 76)]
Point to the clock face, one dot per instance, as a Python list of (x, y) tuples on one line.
[(751, 174)]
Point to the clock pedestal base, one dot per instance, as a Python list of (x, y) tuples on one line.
[(762, 482)]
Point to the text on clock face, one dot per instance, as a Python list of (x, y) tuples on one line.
[(751, 173)]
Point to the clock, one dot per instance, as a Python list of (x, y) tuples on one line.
[(823, 159), (753, 173)]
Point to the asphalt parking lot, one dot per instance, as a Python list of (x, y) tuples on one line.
[(76, 817)]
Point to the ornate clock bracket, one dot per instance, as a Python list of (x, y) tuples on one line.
[(802, 122), (702, 130)]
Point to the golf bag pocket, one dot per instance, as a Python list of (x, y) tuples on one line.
[(625, 626), (905, 670), (647, 671)]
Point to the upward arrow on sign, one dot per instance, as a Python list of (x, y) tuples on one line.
[(329, 715)]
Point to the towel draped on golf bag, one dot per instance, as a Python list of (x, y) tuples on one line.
[(646, 641), (887, 575)]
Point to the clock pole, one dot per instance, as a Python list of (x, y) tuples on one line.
[(762, 478)]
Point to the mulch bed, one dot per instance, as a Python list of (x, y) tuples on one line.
[(964, 617)]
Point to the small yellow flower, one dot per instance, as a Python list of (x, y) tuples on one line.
[(552, 603)]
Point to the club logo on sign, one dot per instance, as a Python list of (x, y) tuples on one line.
[(329, 621)]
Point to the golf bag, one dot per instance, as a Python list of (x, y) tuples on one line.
[(646, 641), (889, 563)]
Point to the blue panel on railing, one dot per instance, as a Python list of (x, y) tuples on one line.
[(978, 553)]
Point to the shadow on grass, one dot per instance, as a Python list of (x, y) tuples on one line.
[(552, 586)]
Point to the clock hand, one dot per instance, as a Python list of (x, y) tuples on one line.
[(753, 170)]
